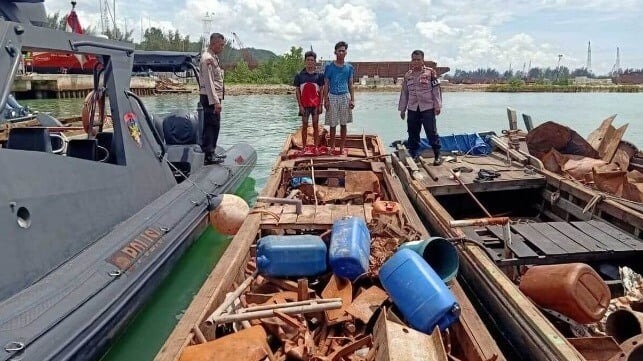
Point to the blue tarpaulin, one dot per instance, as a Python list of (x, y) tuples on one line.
[(465, 143)]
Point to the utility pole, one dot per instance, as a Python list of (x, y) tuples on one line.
[(617, 65), (588, 66)]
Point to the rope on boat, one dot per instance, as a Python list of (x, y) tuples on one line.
[(264, 211)]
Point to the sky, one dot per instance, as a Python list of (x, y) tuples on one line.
[(456, 33)]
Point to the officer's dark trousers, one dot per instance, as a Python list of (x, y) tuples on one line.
[(415, 120), (211, 126)]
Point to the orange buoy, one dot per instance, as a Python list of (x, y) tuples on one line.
[(228, 217)]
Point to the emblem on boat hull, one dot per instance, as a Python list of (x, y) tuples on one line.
[(132, 125), (125, 257)]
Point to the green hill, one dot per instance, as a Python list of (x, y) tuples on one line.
[(231, 56)]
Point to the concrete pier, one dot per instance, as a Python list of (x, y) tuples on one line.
[(43, 86)]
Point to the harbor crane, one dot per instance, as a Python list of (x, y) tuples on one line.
[(247, 57)]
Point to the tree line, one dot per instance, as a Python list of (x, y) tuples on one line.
[(558, 76)]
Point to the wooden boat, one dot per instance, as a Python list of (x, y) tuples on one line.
[(513, 215), (345, 187)]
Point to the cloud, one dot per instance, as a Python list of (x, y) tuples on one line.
[(461, 34)]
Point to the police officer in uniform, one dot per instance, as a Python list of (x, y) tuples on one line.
[(421, 97), (211, 96)]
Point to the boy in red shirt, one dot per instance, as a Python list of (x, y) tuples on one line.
[(309, 84)]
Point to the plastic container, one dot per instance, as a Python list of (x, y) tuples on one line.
[(297, 181), (424, 300), (291, 256), (439, 253), (575, 290), (350, 247)]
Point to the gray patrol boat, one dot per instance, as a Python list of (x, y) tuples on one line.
[(89, 234)]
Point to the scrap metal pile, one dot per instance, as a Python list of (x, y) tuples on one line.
[(603, 161), (327, 297)]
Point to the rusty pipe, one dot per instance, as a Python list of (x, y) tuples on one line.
[(296, 202), (632, 349), (624, 324), (479, 222)]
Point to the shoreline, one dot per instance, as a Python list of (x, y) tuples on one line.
[(285, 89)]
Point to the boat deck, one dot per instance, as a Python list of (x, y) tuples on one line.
[(556, 242), (532, 240), (439, 179), (311, 216)]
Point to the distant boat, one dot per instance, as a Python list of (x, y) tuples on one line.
[(64, 63), (58, 63)]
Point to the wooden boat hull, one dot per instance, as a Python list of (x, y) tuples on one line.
[(365, 154), (521, 321)]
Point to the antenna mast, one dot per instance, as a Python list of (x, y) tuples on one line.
[(207, 24), (107, 16)]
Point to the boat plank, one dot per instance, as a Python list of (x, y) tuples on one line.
[(531, 235), (368, 212), (323, 215), (559, 238), (480, 345), (579, 237), (489, 186), (337, 211), (518, 246), (307, 215), (356, 211), (636, 244), (289, 214), (612, 243)]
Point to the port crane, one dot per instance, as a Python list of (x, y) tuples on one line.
[(247, 57)]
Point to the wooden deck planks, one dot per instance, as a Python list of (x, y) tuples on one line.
[(536, 238), (307, 215), (338, 211), (288, 214), (510, 178), (625, 238), (518, 245), (574, 240), (610, 243), (559, 238), (322, 215), (579, 237)]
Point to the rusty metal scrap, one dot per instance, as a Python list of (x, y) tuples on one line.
[(366, 303), (246, 345), (338, 288)]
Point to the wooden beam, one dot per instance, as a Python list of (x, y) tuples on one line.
[(513, 118), (529, 125)]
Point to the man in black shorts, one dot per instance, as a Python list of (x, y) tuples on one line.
[(309, 84)]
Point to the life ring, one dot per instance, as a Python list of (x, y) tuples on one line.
[(89, 108)]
